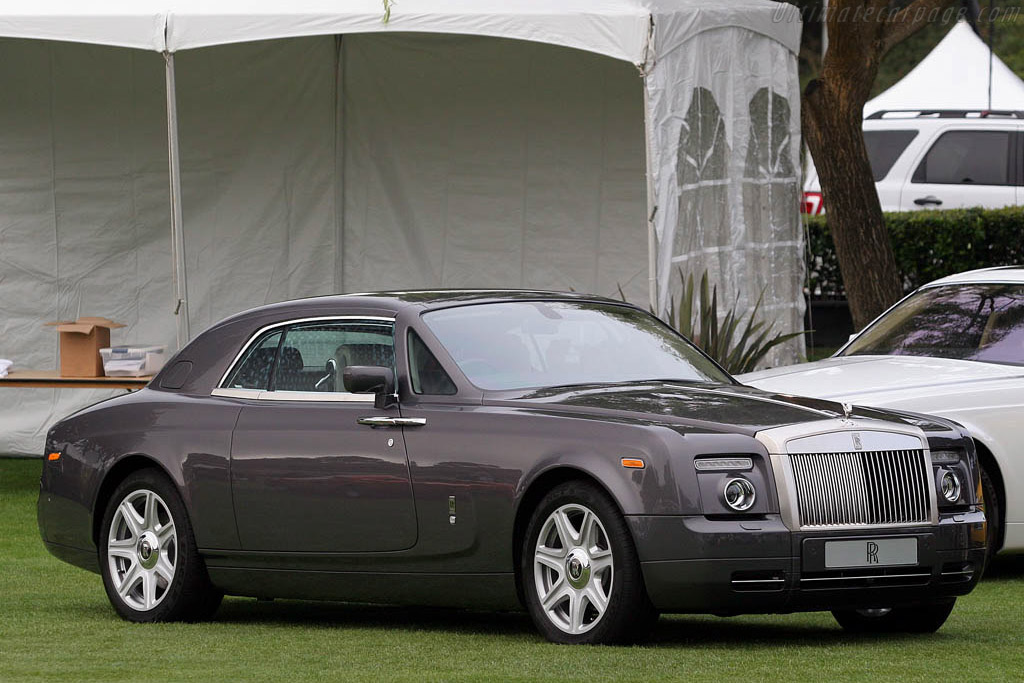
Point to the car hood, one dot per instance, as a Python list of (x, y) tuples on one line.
[(879, 380), (711, 407)]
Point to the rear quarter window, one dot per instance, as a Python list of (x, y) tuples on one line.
[(885, 147)]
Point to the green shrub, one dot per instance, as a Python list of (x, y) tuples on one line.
[(739, 341), (927, 245)]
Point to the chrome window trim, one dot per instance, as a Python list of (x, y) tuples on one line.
[(327, 396), (323, 397), (812, 436), (226, 392), (264, 395)]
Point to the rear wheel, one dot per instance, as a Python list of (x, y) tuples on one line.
[(580, 570), (925, 618), (148, 557)]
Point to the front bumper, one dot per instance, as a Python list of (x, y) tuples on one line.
[(693, 564)]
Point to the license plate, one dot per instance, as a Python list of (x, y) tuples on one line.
[(872, 552)]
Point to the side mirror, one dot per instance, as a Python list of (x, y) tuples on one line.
[(369, 379)]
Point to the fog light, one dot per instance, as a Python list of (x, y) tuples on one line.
[(949, 485), (739, 494)]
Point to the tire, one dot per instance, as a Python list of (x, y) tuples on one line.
[(579, 555), (993, 516), (924, 618), (151, 567)]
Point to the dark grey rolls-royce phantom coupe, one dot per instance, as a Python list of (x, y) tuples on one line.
[(492, 449)]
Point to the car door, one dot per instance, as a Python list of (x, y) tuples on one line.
[(964, 167), (308, 472)]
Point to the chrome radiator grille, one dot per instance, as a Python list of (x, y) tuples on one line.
[(862, 488)]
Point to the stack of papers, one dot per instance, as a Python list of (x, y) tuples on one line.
[(5, 365), (125, 368)]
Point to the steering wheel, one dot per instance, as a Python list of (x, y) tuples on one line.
[(327, 382)]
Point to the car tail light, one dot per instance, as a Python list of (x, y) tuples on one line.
[(812, 204)]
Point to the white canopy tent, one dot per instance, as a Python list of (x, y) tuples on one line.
[(321, 150), (954, 75)]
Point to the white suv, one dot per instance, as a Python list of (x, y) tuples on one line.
[(939, 159)]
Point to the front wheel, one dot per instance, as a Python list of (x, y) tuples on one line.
[(148, 557), (926, 618), (580, 571), (993, 516)]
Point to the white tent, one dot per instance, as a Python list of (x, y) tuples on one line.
[(954, 75), (314, 148)]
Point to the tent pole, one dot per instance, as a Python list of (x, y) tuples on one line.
[(178, 276), (991, 53), (652, 209)]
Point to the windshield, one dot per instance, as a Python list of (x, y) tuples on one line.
[(983, 322), (519, 345)]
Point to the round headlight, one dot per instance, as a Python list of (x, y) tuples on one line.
[(949, 486), (739, 494)]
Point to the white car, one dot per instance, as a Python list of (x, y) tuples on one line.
[(954, 348), (939, 160)]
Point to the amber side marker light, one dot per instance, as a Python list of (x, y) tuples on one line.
[(633, 463), (53, 456)]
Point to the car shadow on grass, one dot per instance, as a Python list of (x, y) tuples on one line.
[(349, 615), (671, 632)]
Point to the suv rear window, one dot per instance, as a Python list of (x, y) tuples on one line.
[(885, 147), (967, 157)]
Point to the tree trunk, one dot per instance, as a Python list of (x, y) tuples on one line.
[(832, 126), (860, 33)]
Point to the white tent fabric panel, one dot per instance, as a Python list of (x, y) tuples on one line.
[(84, 188), (476, 162), (83, 228), (121, 23), (954, 75), (616, 28), (726, 127), (491, 157), (258, 174)]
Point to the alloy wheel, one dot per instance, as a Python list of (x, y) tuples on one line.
[(142, 550), (573, 569)]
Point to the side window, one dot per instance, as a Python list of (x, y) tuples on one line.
[(314, 355), (254, 370), (884, 148), (427, 375), (967, 157)]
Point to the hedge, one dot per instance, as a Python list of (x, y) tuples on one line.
[(927, 244)]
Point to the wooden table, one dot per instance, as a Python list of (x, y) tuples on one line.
[(51, 379)]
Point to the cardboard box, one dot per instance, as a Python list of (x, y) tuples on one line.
[(80, 344)]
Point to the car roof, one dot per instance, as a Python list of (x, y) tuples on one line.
[(429, 297), (896, 120), (395, 301), (1009, 274)]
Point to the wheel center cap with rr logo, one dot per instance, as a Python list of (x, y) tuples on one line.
[(577, 567), (148, 550)]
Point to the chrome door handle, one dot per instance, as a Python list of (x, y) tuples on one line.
[(392, 421), (930, 199)]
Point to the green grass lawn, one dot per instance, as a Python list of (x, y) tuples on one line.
[(56, 624)]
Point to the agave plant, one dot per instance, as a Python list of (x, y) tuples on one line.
[(738, 342)]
